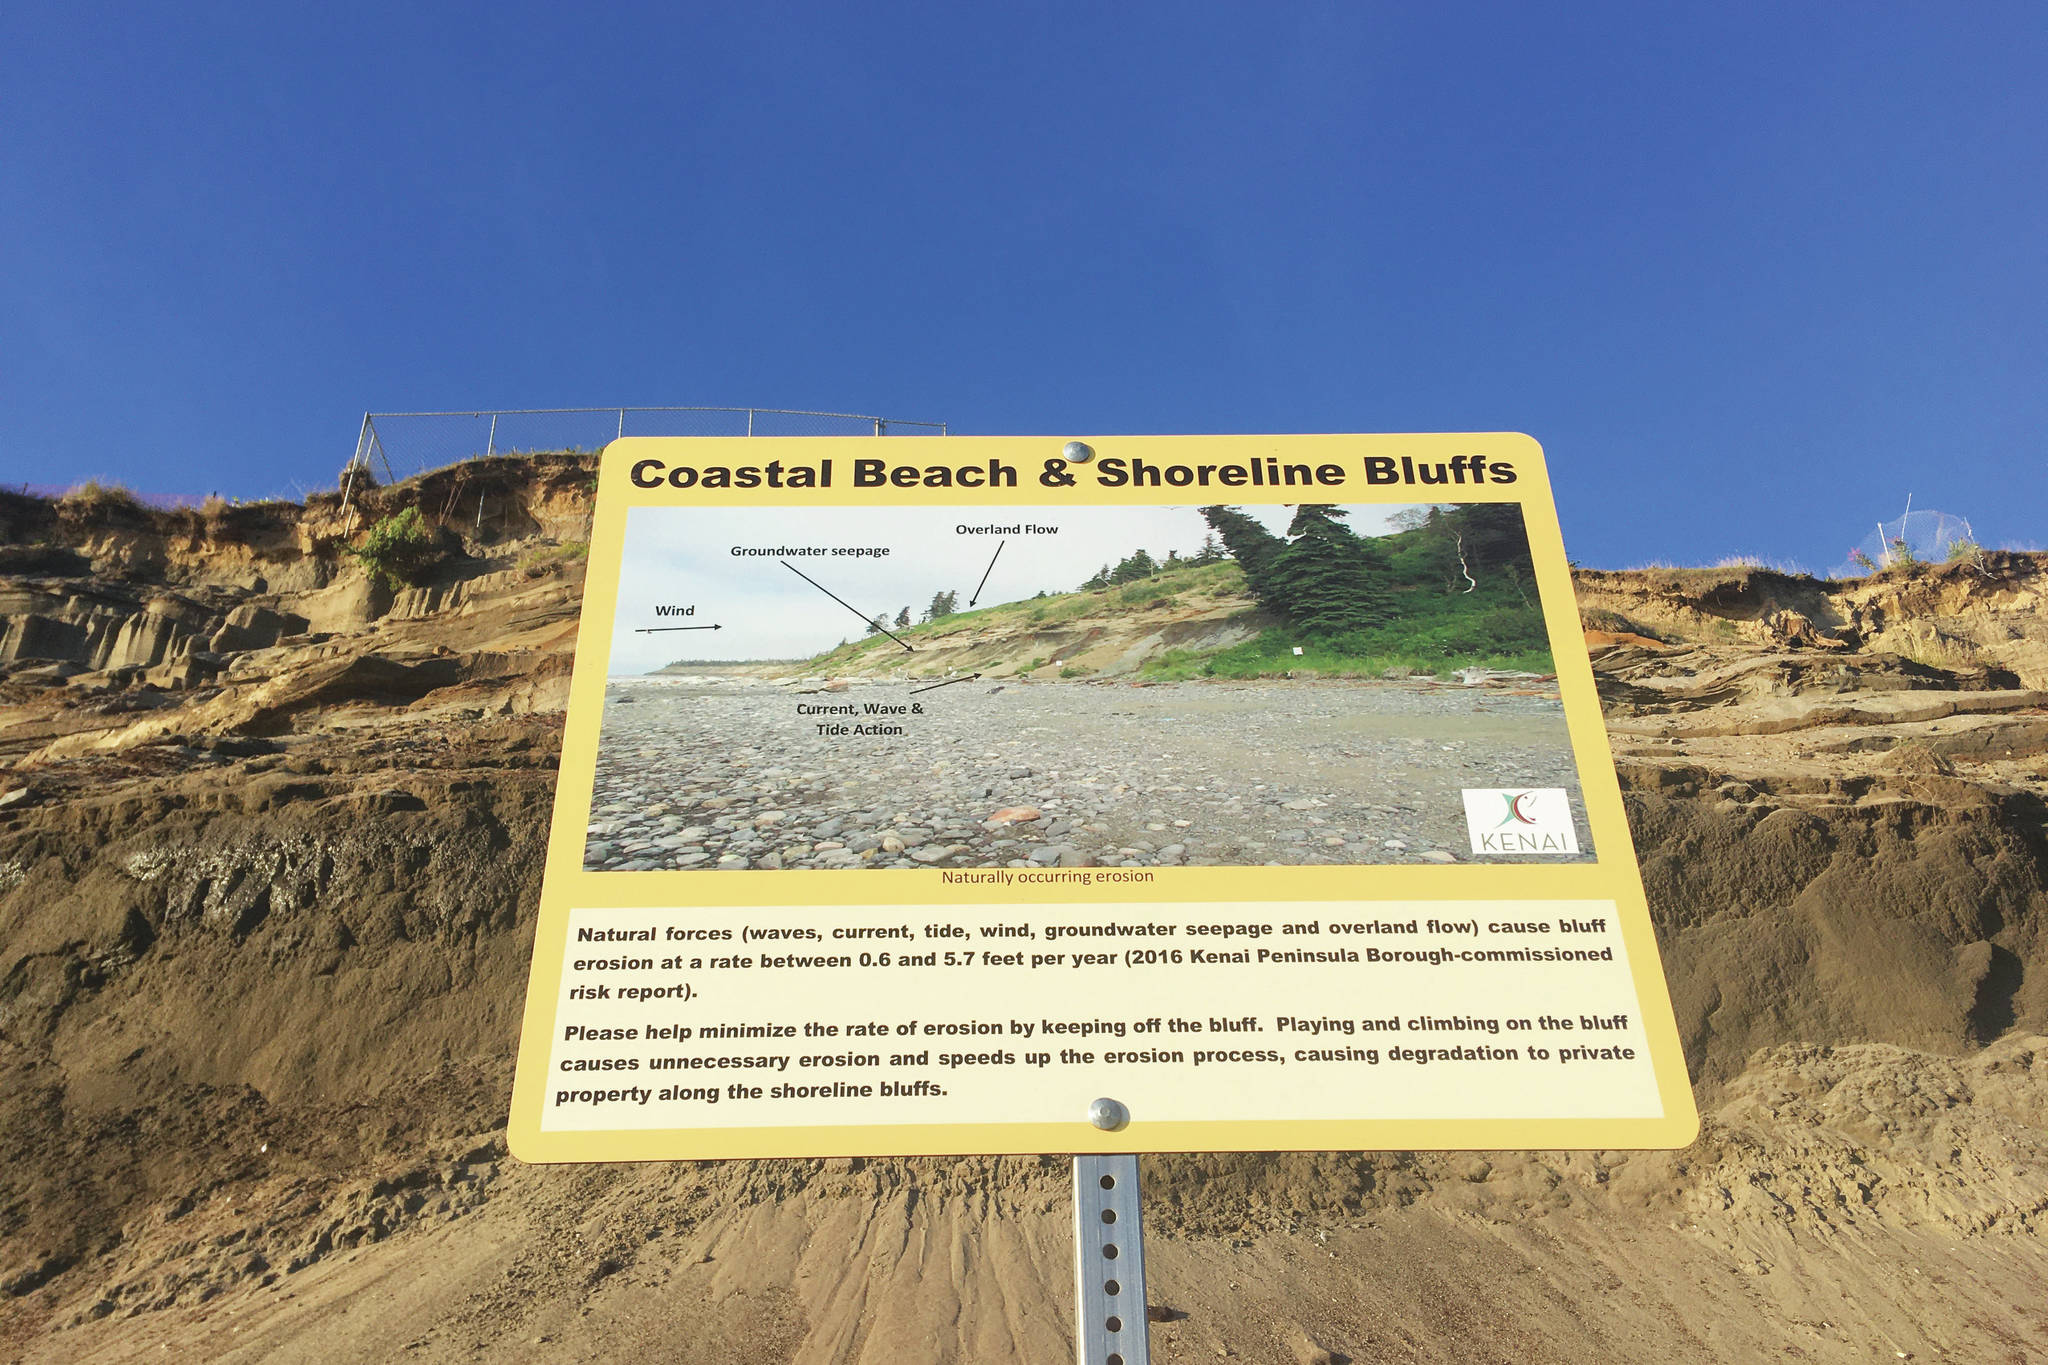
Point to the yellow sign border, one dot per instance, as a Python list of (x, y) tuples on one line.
[(1614, 876)]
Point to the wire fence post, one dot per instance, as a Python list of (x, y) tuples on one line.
[(750, 421), (348, 487), (367, 443), (377, 444), (491, 445), (622, 425)]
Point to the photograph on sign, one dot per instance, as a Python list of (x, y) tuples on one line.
[(1094, 700), (1284, 822)]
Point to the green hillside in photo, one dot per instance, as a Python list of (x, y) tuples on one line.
[(1451, 588)]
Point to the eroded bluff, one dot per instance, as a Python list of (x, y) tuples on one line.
[(270, 852)]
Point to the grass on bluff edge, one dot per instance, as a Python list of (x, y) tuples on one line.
[(1176, 587), (1433, 632), (94, 496)]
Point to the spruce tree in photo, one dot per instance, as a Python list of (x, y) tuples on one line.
[(1138, 565), (1097, 583), (1460, 549), (1251, 545), (1428, 554), (1327, 579), (1210, 553), (903, 619), (942, 605), (1495, 541)]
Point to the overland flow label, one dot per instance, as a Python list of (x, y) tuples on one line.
[(916, 794)]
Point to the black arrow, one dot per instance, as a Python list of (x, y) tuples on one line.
[(865, 620), (650, 630), (948, 683), (984, 576)]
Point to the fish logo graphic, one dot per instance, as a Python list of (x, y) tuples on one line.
[(1517, 814)]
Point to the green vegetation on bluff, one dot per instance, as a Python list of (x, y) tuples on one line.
[(1455, 588), (399, 550), (1452, 588), (1434, 634)]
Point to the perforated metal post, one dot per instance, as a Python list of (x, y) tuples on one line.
[(1109, 1254)]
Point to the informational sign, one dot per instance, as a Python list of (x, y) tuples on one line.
[(917, 794)]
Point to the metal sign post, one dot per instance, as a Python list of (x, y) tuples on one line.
[(1109, 1254)]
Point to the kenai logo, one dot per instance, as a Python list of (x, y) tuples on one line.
[(1528, 820)]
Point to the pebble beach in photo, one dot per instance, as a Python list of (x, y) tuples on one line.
[(733, 772)]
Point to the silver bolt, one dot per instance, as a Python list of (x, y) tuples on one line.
[(1078, 452), (1108, 1115)]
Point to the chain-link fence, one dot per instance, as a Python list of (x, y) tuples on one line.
[(400, 444), (1920, 536)]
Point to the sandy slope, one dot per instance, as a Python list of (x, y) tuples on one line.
[(1843, 1206)]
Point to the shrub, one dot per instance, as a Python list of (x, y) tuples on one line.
[(1076, 671), (399, 550), (1967, 552)]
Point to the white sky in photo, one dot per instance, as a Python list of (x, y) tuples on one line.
[(682, 556)]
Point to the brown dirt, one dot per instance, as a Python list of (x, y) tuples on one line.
[(263, 943)]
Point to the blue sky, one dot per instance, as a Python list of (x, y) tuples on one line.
[(1751, 273)]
